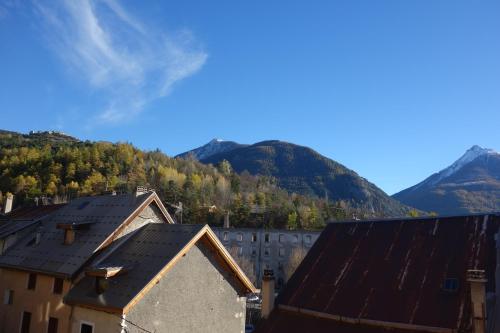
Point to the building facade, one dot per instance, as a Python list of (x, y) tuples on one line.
[(279, 250)]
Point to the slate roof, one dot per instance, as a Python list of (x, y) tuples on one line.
[(52, 256), (392, 271), (24, 217), (145, 255), (10, 227), (33, 212)]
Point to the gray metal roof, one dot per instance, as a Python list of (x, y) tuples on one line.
[(147, 252), (51, 255)]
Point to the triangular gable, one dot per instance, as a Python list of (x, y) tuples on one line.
[(153, 198), (162, 208), (245, 283)]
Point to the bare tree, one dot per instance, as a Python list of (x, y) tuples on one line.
[(244, 262), (294, 261)]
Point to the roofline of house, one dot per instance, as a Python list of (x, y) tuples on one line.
[(419, 218), (229, 259), (164, 211), (267, 230), (362, 321), (153, 197), (37, 271), (204, 231)]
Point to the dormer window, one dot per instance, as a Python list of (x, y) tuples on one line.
[(450, 285), (102, 275)]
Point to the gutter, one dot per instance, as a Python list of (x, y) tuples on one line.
[(369, 322)]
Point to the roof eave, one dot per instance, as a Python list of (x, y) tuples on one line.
[(205, 231)]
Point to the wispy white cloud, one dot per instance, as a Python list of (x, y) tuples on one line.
[(114, 52), (6, 6)]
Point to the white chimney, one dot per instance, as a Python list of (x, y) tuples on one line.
[(477, 282), (267, 293), (8, 203), (140, 190)]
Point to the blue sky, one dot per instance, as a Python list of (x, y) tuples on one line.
[(395, 90)]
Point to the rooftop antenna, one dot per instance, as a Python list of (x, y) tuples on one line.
[(179, 209)]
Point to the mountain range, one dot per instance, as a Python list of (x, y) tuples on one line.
[(470, 185), (302, 170)]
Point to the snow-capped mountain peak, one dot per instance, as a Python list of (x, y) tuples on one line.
[(215, 146), (470, 185), (216, 140), (469, 156)]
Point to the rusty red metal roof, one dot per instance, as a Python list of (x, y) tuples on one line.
[(285, 321), (393, 271)]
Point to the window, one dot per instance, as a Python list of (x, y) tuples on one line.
[(25, 322), (282, 252), (225, 236), (240, 250), (53, 323), (86, 328), (8, 297), (266, 238), (239, 237), (295, 238), (266, 251), (281, 238), (450, 285), (58, 286), (254, 252), (308, 239), (254, 237), (31, 281)]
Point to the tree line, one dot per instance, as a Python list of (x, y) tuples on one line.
[(39, 166)]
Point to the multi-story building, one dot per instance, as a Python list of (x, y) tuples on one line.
[(276, 249), (117, 263)]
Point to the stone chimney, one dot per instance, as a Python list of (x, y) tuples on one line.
[(477, 283), (267, 293), (140, 190), (8, 203), (69, 236)]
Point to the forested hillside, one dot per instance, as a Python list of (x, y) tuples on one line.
[(61, 167), (302, 170)]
